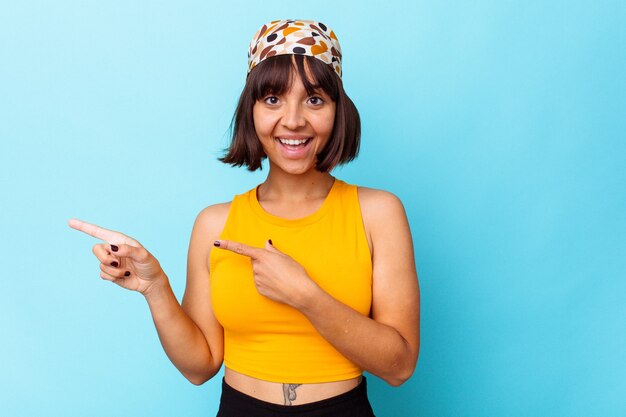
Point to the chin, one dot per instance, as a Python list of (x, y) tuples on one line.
[(296, 169), (299, 171)]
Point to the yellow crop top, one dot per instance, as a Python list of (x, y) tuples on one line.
[(270, 340)]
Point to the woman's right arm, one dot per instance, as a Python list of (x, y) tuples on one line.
[(197, 299), (191, 336)]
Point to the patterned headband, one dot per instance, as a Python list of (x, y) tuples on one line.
[(295, 37)]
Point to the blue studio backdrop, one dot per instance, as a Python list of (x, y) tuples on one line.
[(500, 125)]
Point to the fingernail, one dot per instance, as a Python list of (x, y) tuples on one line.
[(127, 273), (114, 248), (216, 243), (115, 264), (270, 240)]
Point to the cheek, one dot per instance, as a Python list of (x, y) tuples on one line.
[(263, 125), (326, 124), (258, 120), (329, 127), (330, 118)]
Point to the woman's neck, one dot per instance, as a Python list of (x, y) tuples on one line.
[(284, 188)]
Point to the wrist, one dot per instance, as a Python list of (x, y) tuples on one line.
[(157, 288), (309, 298)]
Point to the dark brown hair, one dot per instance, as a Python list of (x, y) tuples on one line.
[(274, 76)]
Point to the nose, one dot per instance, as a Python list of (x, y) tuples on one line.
[(293, 118)]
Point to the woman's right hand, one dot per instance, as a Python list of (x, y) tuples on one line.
[(123, 260)]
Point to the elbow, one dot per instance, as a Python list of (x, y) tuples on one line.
[(199, 378), (403, 363), (401, 373), (394, 382), (400, 377)]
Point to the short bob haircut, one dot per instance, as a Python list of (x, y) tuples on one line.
[(274, 76)]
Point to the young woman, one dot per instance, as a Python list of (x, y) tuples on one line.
[(302, 283)]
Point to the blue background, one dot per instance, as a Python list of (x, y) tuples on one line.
[(500, 124)]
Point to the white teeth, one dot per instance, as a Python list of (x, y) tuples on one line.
[(293, 142)]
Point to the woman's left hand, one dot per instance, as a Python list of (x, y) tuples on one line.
[(277, 276)]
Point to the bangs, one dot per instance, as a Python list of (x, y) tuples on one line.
[(276, 75)]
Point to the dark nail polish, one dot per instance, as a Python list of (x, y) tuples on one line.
[(127, 273), (115, 264), (216, 243), (114, 248), (270, 240)]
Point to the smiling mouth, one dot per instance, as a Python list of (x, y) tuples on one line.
[(294, 143)]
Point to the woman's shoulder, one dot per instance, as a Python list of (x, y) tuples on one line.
[(211, 219), (375, 199), (384, 217), (215, 210), (379, 208)]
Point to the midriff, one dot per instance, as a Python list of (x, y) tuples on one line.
[(273, 392)]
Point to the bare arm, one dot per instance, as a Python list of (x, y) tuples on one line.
[(385, 344), (197, 299)]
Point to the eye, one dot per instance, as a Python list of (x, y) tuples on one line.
[(316, 100), (272, 100)]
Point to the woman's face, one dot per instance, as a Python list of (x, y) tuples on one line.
[(294, 127)]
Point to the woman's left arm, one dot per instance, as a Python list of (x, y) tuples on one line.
[(385, 344)]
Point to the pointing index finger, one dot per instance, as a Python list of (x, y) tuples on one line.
[(96, 231), (240, 248)]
